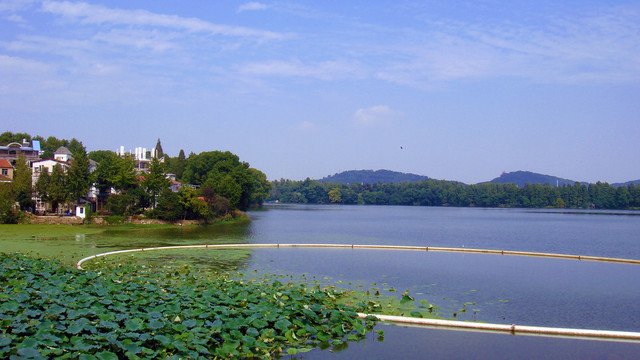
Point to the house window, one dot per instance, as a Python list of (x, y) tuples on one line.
[(5, 172)]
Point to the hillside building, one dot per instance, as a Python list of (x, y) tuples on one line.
[(12, 151)]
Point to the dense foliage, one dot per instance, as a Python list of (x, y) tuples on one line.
[(224, 173), (48, 310), (216, 183), (448, 193), (9, 214), (372, 177)]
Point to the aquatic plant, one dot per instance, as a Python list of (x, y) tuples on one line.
[(50, 310)]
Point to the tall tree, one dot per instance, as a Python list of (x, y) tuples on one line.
[(115, 172), (22, 186), (42, 185), (159, 152), (179, 164), (261, 186), (106, 169), (78, 176), (155, 180), (125, 177), (56, 190), (8, 214)]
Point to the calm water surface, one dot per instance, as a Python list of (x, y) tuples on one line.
[(503, 289), (496, 288)]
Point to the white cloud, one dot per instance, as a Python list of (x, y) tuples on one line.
[(23, 76), (375, 115), (306, 125), (139, 39), (325, 70), (252, 6), (15, 5), (11, 64), (576, 48), (16, 19), (96, 14)]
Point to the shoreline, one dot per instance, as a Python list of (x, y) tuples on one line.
[(138, 220)]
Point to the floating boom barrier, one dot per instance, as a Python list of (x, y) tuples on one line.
[(436, 323)]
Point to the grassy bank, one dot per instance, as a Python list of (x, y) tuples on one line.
[(69, 243)]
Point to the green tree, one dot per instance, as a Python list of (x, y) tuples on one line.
[(335, 196), (169, 206), (42, 185), (193, 206), (79, 178), (22, 187), (224, 173), (155, 180), (8, 213), (261, 186), (8, 137), (74, 145), (56, 190), (99, 155), (159, 152), (125, 176), (622, 197), (179, 165)]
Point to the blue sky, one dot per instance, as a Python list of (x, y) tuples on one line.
[(457, 90)]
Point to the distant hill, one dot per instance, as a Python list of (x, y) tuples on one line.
[(521, 178), (372, 177), (634, 182)]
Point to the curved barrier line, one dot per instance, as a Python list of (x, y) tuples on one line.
[(381, 247), (512, 329), (450, 324)]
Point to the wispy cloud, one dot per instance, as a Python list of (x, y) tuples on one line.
[(375, 115), (252, 6), (323, 70), (15, 5), (306, 126), (96, 14), (596, 48), (139, 39), (16, 18), (23, 76)]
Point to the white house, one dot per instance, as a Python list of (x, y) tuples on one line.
[(38, 167), (46, 165), (62, 154)]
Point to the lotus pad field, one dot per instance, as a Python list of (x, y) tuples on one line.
[(50, 310)]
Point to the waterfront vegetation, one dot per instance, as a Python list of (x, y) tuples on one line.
[(169, 303), (208, 186), (51, 310), (450, 193)]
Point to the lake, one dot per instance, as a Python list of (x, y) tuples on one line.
[(489, 288), (503, 289)]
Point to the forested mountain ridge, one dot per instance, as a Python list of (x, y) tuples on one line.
[(547, 192), (632, 182), (372, 177), (519, 178), (522, 178)]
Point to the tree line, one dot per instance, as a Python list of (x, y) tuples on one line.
[(215, 184), (450, 193)]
